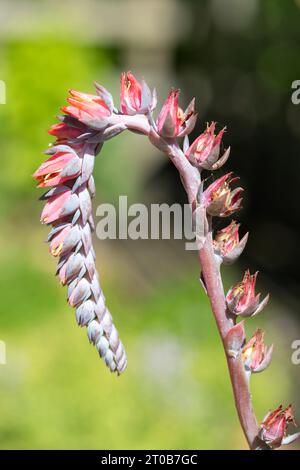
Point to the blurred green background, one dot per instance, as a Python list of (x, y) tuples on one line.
[(175, 394)]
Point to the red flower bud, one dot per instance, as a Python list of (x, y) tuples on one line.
[(256, 355), (274, 426), (227, 243), (136, 96), (219, 199), (205, 150), (131, 93), (242, 300), (64, 132), (59, 168), (172, 121), (91, 110)]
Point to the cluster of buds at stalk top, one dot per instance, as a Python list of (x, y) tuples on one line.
[(88, 121), (273, 429)]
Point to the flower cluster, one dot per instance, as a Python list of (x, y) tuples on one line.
[(90, 120), (67, 174)]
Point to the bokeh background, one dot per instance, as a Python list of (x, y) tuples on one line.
[(239, 58)]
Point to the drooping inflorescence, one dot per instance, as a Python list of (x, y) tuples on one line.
[(88, 121), (68, 172)]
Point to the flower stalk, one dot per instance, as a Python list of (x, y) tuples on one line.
[(87, 123)]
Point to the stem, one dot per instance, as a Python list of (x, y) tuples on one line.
[(213, 281), (239, 380), (191, 180)]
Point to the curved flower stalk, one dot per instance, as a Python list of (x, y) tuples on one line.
[(68, 208), (90, 120)]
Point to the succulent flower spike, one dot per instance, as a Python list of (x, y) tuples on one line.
[(274, 426), (172, 121), (136, 97), (256, 355), (227, 244), (242, 300), (204, 152), (91, 110), (68, 175), (219, 199)]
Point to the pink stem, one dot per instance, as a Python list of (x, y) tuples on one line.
[(191, 180), (240, 383)]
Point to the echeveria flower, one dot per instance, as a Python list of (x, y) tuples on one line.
[(256, 355), (219, 199), (136, 97), (67, 174), (273, 429), (91, 110), (172, 121), (64, 132), (204, 152), (227, 243), (58, 169), (241, 298)]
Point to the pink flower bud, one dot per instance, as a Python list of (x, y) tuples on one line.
[(227, 243), (172, 121), (131, 94), (219, 199), (205, 150), (241, 298), (168, 120), (91, 110), (256, 355), (60, 167), (274, 426), (57, 241), (59, 205), (136, 96), (64, 132)]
